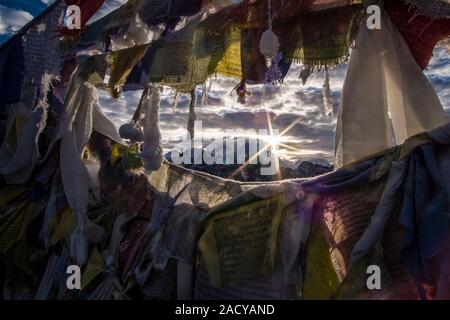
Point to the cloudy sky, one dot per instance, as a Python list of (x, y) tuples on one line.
[(311, 138)]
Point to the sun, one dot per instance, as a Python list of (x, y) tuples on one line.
[(272, 141)]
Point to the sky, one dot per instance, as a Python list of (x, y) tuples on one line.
[(313, 136)]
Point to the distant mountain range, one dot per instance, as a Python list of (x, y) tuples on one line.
[(252, 172)]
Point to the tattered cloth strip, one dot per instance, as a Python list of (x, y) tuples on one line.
[(82, 115), (152, 153), (327, 98), (119, 24), (420, 32), (121, 65), (98, 35), (319, 38), (185, 58), (138, 78), (116, 65), (192, 115), (31, 59), (43, 51), (188, 56), (435, 9), (40, 58), (87, 9)]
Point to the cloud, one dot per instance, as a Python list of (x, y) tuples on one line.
[(12, 20), (312, 136)]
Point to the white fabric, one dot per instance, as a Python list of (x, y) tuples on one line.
[(383, 79), (82, 115), (327, 98), (192, 115), (153, 151)]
